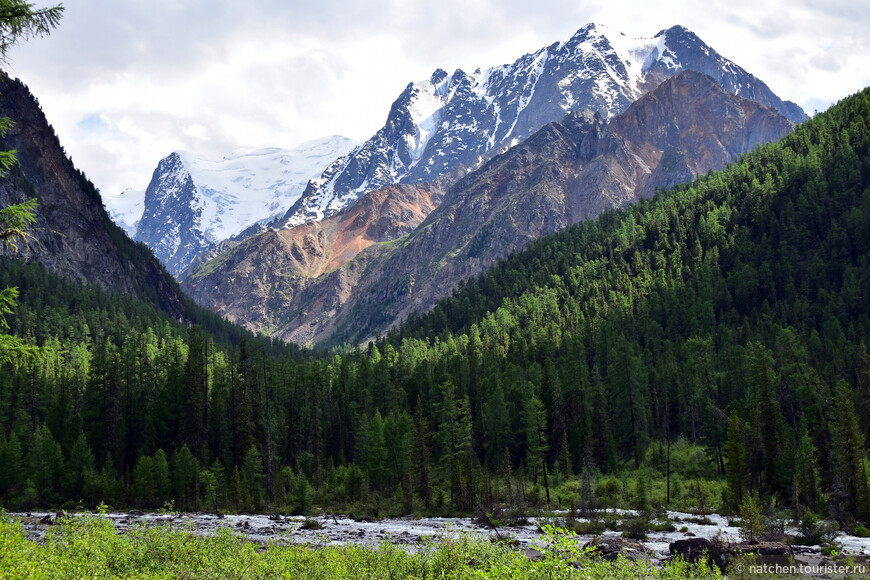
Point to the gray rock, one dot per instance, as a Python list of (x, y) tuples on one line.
[(610, 548)]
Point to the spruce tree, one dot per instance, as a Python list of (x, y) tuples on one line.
[(805, 490), (422, 456), (850, 454), (736, 468)]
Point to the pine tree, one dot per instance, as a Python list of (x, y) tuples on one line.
[(806, 486), (422, 456), (14, 223), (143, 482), (252, 475), (864, 387), (565, 457), (850, 454), (506, 469), (454, 434), (535, 420), (195, 385), (80, 465), (19, 20), (736, 468), (45, 461), (185, 473), (162, 477)]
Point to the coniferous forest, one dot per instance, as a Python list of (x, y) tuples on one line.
[(710, 343)]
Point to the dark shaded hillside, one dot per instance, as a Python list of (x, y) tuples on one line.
[(744, 294), (74, 235)]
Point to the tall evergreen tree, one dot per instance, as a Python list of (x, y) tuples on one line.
[(850, 454), (736, 468)]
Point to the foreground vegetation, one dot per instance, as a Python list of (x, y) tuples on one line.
[(88, 547)]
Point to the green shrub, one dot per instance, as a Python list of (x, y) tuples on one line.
[(89, 547), (635, 527), (751, 520), (585, 528), (311, 524), (664, 526), (815, 531)]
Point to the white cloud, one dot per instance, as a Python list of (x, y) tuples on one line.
[(125, 82)]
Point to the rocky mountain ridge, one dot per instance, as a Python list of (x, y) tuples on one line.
[(460, 119), (192, 203), (273, 267), (568, 171)]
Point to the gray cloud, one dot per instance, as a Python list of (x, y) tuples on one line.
[(214, 75)]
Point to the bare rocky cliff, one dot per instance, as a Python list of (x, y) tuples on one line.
[(73, 233), (568, 171), (253, 281)]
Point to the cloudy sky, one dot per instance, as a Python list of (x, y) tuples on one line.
[(126, 82)]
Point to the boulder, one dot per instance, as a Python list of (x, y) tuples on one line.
[(609, 548), (694, 550), (697, 549), (768, 552)]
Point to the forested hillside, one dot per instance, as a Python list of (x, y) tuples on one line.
[(729, 314)]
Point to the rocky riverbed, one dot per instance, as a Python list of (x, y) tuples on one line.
[(415, 532)]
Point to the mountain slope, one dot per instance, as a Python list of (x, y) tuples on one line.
[(781, 236), (192, 203), (452, 120), (73, 233), (275, 267), (566, 172), (742, 295)]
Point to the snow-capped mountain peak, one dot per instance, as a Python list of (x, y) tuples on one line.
[(454, 120), (194, 202)]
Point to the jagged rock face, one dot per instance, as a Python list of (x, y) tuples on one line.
[(252, 281), (193, 203), (682, 47), (568, 171), (73, 233), (694, 115), (171, 223), (460, 119)]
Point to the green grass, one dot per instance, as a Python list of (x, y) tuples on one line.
[(88, 547)]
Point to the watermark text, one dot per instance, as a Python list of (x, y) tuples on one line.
[(804, 569)]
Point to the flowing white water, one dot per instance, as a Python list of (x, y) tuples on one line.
[(412, 532)]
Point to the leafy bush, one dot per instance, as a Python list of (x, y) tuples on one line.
[(584, 527), (635, 527), (815, 531), (665, 525), (311, 524), (88, 547)]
